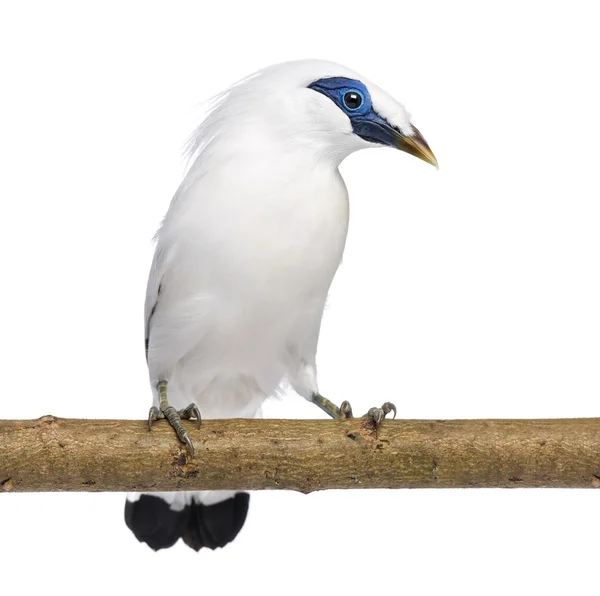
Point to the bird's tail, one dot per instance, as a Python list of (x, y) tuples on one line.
[(202, 519)]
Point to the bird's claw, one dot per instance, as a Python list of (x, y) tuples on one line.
[(190, 412), (377, 415), (154, 414), (346, 410), (188, 443)]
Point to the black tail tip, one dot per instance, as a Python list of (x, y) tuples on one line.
[(152, 521), (214, 526)]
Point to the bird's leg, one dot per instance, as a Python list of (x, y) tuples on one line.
[(174, 417), (329, 407), (345, 410)]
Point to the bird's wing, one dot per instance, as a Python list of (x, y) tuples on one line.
[(153, 294)]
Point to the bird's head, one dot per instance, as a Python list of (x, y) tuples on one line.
[(316, 105), (364, 115)]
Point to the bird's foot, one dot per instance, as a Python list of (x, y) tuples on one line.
[(375, 415), (174, 417)]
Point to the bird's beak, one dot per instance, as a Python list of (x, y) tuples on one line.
[(416, 145), (376, 129)]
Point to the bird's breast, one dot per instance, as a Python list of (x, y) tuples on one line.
[(252, 256), (254, 232)]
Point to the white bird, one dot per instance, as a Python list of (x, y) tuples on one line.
[(244, 260)]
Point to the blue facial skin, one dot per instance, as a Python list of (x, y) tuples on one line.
[(366, 122)]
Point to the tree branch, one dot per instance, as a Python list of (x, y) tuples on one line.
[(54, 454)]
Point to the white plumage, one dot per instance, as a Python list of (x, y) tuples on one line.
[(252, 239), (251, 242)]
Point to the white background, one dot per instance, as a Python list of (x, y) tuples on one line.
[(465, 293)]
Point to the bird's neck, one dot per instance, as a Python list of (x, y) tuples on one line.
[(304, 149)]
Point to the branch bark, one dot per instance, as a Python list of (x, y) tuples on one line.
[(54, 454)]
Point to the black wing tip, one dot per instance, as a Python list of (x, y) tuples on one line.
[(152, 521)]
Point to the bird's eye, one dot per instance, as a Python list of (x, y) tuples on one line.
[(353, 100)]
